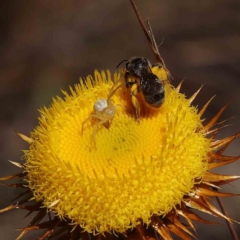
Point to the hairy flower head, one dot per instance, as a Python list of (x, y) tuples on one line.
[(99, 176), (134, 171)]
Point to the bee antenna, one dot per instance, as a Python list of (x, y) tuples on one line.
[(121, 63)]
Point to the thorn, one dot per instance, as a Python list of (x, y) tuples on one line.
[(205, 106), (24, 137), (215, 118), (195, 94), (179, 85), (16, 164)]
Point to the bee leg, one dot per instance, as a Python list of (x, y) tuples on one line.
[(135, 102), (128, 80), (158, 64), (164, 71)]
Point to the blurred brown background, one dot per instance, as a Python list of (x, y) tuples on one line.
[(47, 45)]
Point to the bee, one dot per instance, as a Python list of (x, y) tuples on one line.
[(138, 74), (139, 77)]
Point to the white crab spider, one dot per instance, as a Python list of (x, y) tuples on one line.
[(104, 110)]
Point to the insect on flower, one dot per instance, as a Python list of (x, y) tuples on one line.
[(104, 111), (139, 77)]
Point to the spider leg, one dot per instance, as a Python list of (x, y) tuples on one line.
[(87, 119), (114, 88), (96, 127), (120, 105)]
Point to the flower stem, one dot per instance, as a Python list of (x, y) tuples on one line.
[(230, 225)]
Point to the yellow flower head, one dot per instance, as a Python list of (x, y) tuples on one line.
[(122, 175), (127, 170)]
